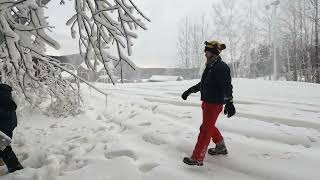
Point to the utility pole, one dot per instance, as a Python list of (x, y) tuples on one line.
[(274, 37), (316, 23)]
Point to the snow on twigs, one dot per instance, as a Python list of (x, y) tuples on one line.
[(101, 25)]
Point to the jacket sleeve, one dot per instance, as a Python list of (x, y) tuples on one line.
[(6, 102), (225, 82), (195, 88)]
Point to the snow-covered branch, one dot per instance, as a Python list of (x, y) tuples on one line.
[(22, 25), (24, 65), (105, 27)]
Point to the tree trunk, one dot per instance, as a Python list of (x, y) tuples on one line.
[(315, 65)]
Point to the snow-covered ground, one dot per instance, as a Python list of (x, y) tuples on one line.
[(147, 129)]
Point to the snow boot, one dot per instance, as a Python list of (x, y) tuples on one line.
[(219, 149), (192, 162), (16, 168), (11, 160), (1, 162)]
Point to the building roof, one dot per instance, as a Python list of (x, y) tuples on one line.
[(74, 59), (99, 66)]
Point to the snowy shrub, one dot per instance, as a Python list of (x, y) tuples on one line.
[(100, 25)]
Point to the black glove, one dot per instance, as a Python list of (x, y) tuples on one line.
[(185, 94), (229, 109), (193, 89)]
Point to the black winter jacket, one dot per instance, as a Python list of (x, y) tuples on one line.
[(215, 85), (8, 117), (8, 120)]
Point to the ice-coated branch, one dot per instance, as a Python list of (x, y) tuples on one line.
[(104, 27), (22, 65)]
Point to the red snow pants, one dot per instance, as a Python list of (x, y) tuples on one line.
[(208, 130)]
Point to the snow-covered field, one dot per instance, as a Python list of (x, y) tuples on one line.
[(147, 129)]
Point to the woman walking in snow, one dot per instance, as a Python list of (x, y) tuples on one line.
[(216, 89), (8, 121)]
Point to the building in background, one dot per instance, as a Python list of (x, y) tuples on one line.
[(128, 73)]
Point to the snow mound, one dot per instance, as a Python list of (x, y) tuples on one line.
[(160, 78)]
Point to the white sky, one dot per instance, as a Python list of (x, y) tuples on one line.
[(155, 47)]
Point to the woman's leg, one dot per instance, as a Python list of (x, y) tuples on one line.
[(207, 129)]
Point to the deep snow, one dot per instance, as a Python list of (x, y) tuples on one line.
[(146, 130)]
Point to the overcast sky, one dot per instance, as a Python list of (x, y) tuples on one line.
[(155, 47)]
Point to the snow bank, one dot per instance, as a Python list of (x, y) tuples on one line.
[(160, 78), (147, 129)]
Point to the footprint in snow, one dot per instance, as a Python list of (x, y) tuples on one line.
[(148, 167), (99, 117), (74, 165), (121, 153), (260, 156), (266, 156), (74, 129), (133, 115), (102, 128), (90, 148), (72, 138), (154, 107), (91, 108), (145, 124), (161, 132), (114, 127), (53, 126), (149, 138), (289, 155), (187, 117), (276, 124), (78, 139), (123, 129), (22, 156)]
